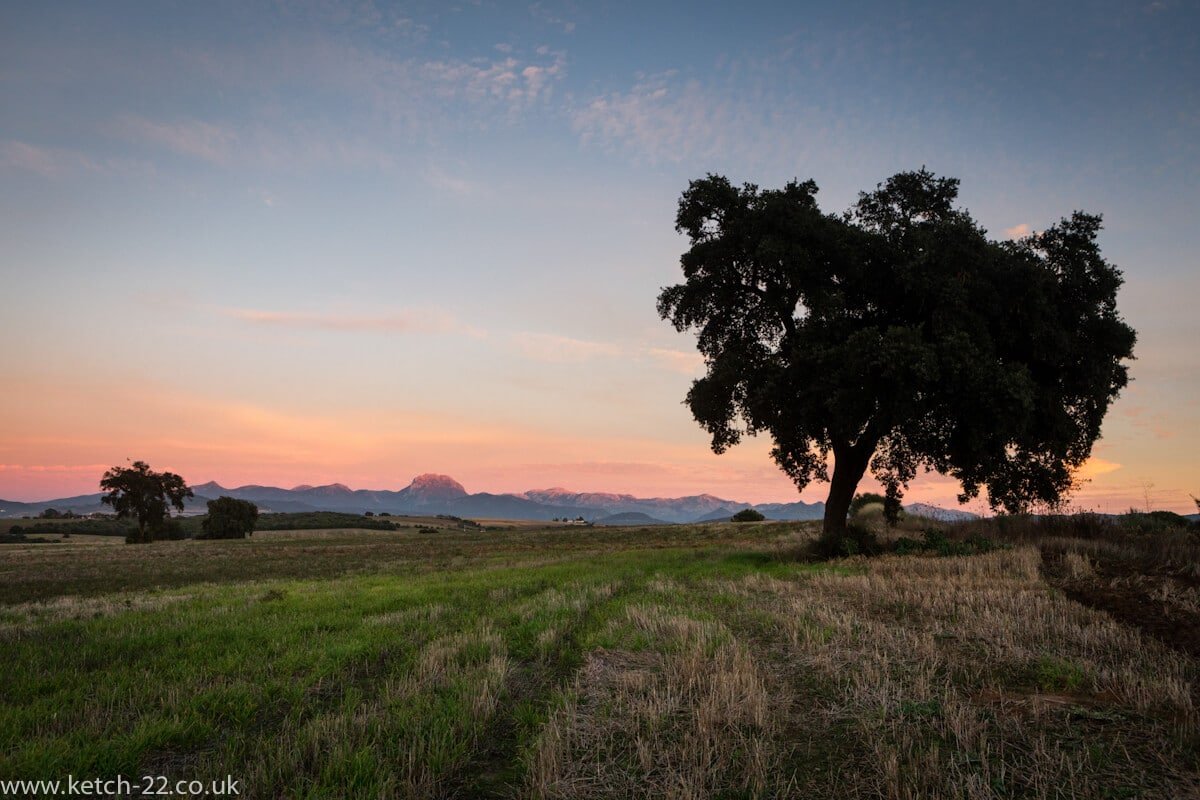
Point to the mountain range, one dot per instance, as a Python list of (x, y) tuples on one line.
[(440, 494)]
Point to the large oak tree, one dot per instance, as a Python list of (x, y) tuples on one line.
[(898, 337), (139, 493)]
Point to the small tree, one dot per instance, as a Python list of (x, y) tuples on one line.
[(136, 492), (898, 337), (229, 518), (747, 515)]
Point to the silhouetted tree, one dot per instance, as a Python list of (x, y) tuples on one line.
[(229, 518), (137, 492), (747, 515), (898, 337)]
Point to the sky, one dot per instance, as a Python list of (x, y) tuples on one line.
[(307, 242)]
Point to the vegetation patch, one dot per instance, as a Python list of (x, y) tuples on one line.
[(686, 661)]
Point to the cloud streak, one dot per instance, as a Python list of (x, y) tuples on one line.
[(403, 322), (684, 362), (191, 137), (553, 349), (48, 162)]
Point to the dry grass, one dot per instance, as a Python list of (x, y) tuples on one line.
[(934, 677), (692, 718), (678, 663), (970, 677)]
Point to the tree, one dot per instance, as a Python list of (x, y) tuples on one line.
[(897, 337), (229, 518), (747, 515), (137, 492)]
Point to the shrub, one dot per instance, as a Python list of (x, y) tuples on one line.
[(109, 526), (320, 520), (856, 541), (1153, 522), (748, 515), (863, 499), (936, 542), (170, 529)]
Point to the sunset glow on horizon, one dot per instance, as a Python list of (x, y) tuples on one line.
[(300, 243)]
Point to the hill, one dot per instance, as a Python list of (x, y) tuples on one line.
[(630, 518), (432, 494)]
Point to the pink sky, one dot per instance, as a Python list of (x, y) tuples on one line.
[(56, 441), (352, 243)]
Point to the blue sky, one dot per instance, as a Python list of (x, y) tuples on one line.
[(294, 242)]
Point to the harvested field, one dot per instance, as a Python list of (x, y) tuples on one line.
[(683, 662)]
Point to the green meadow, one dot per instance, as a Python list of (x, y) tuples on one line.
[(685, 661)]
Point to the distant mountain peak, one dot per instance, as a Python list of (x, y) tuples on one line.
[(330, 488), (304, 487), (431, 487)]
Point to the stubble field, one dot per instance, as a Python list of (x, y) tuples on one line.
[(680, 662)]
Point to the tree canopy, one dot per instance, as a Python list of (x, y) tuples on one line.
[(137, 492), (229, 518), (898, 337)]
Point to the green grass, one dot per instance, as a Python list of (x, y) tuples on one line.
[(702, 660), (210, 678)]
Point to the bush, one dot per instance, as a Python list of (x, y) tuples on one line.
[(863, 499), (320, 520), (229, 518), (109, 526), (170, 529), (936, 542), (855, 541), (1153, 522), (747, 515)]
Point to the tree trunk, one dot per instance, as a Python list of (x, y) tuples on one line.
[(849, 465)]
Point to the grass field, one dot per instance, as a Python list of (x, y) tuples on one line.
[(678, 662)]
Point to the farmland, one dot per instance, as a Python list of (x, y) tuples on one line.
[(681, 661)]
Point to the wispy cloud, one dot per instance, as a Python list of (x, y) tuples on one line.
[(682, 361), (46, 161), (1096, 466), (405, 96), (665, 118), (191, 137), (554, 349), (54, 468), (1018, 231), (553, 18), (511, 83), (403, 322), (451, 184)]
